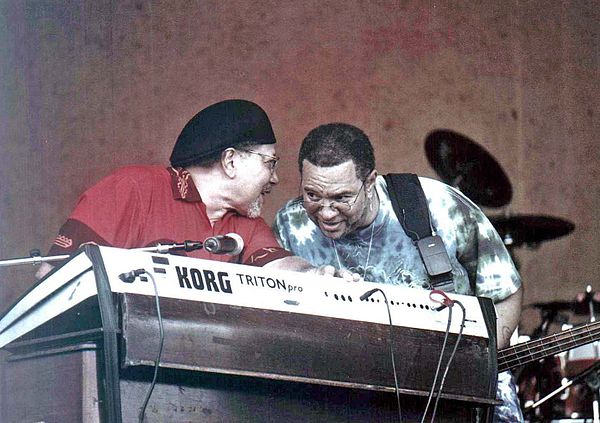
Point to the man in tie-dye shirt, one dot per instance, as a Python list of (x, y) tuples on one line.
[(344, 218)]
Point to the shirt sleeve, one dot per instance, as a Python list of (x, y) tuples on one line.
[(108, 213), (482, 252), (262, 246), (280, 229), (497, 276)]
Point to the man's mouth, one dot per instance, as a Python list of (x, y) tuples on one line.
[(331, 226)]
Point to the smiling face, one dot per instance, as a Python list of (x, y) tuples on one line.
[(336, 199)]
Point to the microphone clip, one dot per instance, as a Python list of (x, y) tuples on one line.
[(130, 276), (367, 294)]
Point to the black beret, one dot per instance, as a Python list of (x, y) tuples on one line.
[(221, 126)]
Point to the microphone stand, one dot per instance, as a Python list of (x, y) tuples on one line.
[(36, 258)]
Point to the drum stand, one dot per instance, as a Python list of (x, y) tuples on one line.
[(591, 376)]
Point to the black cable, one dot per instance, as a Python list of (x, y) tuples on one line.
[(439, 365), (462, 325), (391, 336), (392, 356), (158, 355), (404, 225)]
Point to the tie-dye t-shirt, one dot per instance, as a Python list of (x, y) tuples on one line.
[(481, 264), (382, 252)]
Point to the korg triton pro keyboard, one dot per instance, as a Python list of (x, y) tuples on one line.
[(215, 282)]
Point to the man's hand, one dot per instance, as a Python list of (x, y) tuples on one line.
[(349, 276), (329, 270), (325, 270), (300, 265)]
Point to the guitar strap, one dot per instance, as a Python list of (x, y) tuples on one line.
[(411, 208)]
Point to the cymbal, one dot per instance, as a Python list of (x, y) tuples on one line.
[(581, 308), (463, 164), (517, 230)]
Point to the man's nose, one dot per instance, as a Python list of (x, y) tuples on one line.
[(326, 212), (274, 179)]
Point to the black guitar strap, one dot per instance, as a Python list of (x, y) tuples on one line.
[(412, 211)]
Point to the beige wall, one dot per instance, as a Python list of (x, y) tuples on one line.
[(88, 86)]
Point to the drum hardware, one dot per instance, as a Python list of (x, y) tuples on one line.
[(591, 376), (591, 299), (580, 308), (549, 315), (539, 377), (576, 374)]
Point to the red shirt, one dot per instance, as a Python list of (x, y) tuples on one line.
[(140, 206)]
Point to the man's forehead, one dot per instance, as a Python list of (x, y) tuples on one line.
[(264, 148), (338, 176)]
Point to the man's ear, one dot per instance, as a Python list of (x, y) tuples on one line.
[(228, 162), (370, 181)]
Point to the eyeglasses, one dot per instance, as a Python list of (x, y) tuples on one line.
[(343, 203), (271, 161)]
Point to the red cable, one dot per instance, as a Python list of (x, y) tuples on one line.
[(445, 301)]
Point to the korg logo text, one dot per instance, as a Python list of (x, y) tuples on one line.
[(203, 279)]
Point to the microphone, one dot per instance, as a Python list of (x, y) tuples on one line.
[(231, 244)]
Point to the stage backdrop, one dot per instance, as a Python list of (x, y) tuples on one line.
[(89, 86)]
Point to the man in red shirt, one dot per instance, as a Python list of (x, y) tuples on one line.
[(222, 166)]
